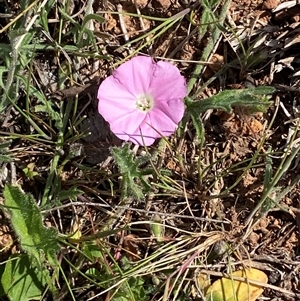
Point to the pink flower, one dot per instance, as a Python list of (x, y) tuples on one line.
[(143, 100)]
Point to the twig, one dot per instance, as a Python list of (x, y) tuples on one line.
[(122, 23), (150, 50)]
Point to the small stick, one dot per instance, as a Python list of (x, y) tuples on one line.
[(150, 50), (122, 23)]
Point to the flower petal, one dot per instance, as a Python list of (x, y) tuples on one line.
[(155, 125), (135, 75), (142, 76), (143, 139), (173, 108), (114, 100), (167, 83), (127, 125), (160, 124)]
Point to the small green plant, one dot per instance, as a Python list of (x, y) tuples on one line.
[(255, 99), (134, 183), (273, 193), (29, 171), (26, 275)]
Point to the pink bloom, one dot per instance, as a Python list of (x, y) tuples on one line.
[(143, 100)]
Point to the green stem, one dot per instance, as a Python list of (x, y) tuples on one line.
[(208, 49)]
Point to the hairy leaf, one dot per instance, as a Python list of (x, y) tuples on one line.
[(254, 98), (133, 182), (21, 280), (38, 241)]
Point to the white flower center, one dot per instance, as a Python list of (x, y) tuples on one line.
[(144, 103)]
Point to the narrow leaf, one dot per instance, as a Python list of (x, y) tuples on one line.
[(92, 17), (254, 98)]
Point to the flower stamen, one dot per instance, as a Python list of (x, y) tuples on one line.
[(144, 103)]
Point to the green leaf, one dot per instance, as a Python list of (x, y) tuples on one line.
[(3, 70), (94, 273), (55, 116), (44, 19), (29, 171), (22, 280), (44, 14), (70, 194), (205, 20), (133, 288), (91, 251), (214, 3), (92, 17), (254, 98), (199, 127), (4, 158), (133, 182), (38, 241)]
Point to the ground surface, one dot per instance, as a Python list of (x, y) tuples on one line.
[(215, 188)]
